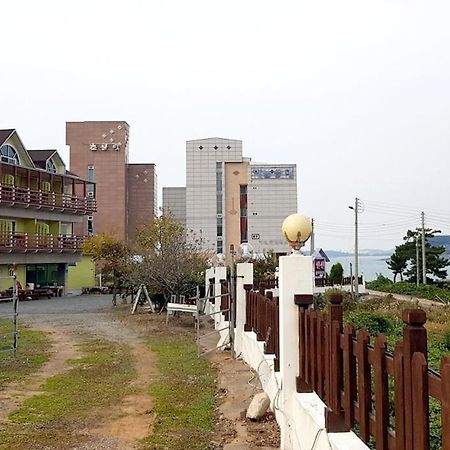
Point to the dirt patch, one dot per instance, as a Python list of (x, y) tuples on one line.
[(133, 419), (236, 387), (63, 349)]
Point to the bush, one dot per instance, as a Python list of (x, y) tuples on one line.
[(337, 272), (375, 323)]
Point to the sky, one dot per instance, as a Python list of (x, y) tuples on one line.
[(355, 92)]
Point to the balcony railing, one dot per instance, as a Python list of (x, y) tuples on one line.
[(13, 242), (13, 195)]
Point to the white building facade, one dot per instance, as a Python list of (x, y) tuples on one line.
[(229, 199), (205, 160), (272, 196)]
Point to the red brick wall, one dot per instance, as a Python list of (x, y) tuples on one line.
[(141, 196), (110, 171)]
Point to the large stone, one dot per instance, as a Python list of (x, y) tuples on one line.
[(258, 406)]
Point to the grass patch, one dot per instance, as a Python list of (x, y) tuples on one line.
[(97, 380), (184, 395), (428, 291), (32, 353)]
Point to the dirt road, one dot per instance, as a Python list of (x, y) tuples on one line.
[(69, 321)]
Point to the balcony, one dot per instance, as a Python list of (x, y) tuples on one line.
[(14, 242), (26, 197)]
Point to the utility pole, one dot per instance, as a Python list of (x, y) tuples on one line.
[(351, 282), (355, 208), (424, 260), (417, 260), (312, 238)]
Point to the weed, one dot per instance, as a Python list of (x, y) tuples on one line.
[(32, 353), (183, 394), (97, 380)]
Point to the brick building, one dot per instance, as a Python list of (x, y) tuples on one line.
[(126, 193)]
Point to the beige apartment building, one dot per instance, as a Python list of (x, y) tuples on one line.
[(230, 199)]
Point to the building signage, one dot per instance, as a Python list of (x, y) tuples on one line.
[(319, 267), (264, 172), (105, 146)]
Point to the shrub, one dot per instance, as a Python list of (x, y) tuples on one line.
[(375, 323)]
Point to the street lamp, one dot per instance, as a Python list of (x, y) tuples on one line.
[(296, 229)]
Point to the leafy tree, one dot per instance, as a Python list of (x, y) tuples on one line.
[(112, 257), (336, 272), (171, 260), (405, 261), (264, 266), (398, 262)]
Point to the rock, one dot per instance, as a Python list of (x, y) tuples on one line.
[(258, 406)]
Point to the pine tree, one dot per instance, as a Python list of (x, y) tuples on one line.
[(404, 259)]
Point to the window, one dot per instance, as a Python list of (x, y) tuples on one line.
[(9, 155), (66, 229), (90, 226), (90, 186), (50, 166)]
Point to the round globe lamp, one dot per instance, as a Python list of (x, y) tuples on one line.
[(296, 229)]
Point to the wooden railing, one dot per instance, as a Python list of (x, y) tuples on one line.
[(13, 195), (353, 378), (330, 282), (24, 242), (265, 284), (262, 317)]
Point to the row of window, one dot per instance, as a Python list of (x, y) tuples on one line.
[(42, 228), (10, 156)]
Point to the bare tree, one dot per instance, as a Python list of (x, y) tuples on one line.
[(172, 261)]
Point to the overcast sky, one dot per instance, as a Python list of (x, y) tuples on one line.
[(356, 93)]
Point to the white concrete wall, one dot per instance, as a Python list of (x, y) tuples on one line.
[(301, 416)]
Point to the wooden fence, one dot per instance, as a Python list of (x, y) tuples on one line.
[(262, 317), (386, 395)]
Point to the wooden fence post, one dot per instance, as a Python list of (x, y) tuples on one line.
[(445, 402), (303, 302), (364, 384), (349, 376), (414, 340), (399, 396), (334, 414), (381, 394), (420, 399)]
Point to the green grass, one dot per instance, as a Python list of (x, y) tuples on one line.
[(184, 395), (429, 292), (31, 355), (97, 380)]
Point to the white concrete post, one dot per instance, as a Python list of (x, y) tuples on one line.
[(244, 276), (295, 277), (220, 273)]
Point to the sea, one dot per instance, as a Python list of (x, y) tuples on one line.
[(370, 266)]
